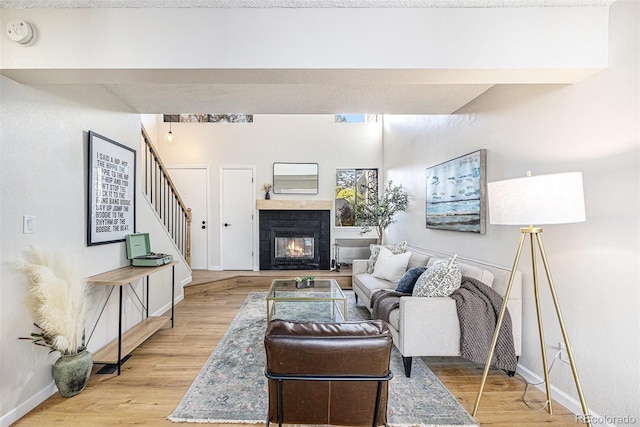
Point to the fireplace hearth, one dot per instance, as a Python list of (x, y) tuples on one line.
[(294, 240)]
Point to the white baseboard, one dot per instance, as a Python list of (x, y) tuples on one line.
[(165, 308), (28, 405), (562, 398), (31, 403)]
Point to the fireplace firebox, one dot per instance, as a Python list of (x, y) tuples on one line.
[(294, 247), (294, 240)]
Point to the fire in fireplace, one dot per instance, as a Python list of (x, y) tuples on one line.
[(294, 247)]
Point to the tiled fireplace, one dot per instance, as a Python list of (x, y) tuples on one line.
[(292, 239)]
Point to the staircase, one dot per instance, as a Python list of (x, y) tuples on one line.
[(164, 198)]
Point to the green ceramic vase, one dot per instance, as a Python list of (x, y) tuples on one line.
[(71, 372)]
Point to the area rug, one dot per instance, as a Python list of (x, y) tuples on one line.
[(232, 388)]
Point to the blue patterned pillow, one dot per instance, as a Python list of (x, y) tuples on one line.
[(408, 280)]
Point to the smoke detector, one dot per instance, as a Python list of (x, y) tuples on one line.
[(21, 32)]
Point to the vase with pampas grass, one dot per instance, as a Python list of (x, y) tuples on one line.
[(60, 302)]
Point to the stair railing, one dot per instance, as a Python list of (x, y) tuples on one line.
[(165, 199)]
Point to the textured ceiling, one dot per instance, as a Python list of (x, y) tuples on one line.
[(296, 99), (44, 4)]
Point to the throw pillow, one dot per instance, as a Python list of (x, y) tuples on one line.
[(439, 280), (389, 266), (408, 279), (417, 260), (395, 248)]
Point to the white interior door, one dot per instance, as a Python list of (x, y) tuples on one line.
[(237, 207), (193, 185)]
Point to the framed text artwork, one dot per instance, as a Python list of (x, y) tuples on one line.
[(456, 194), (111, 191)]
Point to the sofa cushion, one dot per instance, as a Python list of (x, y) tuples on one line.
[(395, 248), (439, 280), (408, 279), (484, 276), (370, 284), (394, 318), (389, 266)]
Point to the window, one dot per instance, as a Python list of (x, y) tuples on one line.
[(208, 118), (353, 187), (356, 118)]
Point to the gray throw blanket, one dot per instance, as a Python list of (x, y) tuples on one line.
[(478, 308), (383, 302)]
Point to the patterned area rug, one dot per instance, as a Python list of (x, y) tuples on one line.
[(232, 388)]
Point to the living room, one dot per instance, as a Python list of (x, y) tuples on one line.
[(589, 126)]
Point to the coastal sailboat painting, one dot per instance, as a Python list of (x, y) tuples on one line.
[(456, 194)]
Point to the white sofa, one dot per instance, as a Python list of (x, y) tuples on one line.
[(429, 326)]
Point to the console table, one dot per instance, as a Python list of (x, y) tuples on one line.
[(114, 354)]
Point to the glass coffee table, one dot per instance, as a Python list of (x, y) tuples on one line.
[(319, 300)]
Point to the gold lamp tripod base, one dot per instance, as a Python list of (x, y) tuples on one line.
[(535, 232)]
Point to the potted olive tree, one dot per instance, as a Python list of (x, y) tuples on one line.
[(378, 210), (60, 301)]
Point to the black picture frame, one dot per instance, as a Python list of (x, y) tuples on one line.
[(111, 194)]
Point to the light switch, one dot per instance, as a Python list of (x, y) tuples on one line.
[(28, 224)]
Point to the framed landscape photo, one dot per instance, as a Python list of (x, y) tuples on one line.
[(111, 191), (456, 194)]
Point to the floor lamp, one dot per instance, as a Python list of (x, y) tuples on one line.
[(543, 199)]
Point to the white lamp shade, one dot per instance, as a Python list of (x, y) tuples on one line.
[(537, 200)]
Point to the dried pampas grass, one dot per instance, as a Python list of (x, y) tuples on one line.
[(59, 298)]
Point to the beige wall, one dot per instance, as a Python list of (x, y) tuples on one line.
[(593, 127)]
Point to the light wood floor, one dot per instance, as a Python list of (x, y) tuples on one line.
[(158, 374)]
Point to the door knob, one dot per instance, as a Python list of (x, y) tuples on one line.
[(226, 224)]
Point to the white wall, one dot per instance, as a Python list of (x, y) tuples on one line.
[(43, 173), (470, 39), (593, 127), (269, 139)]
